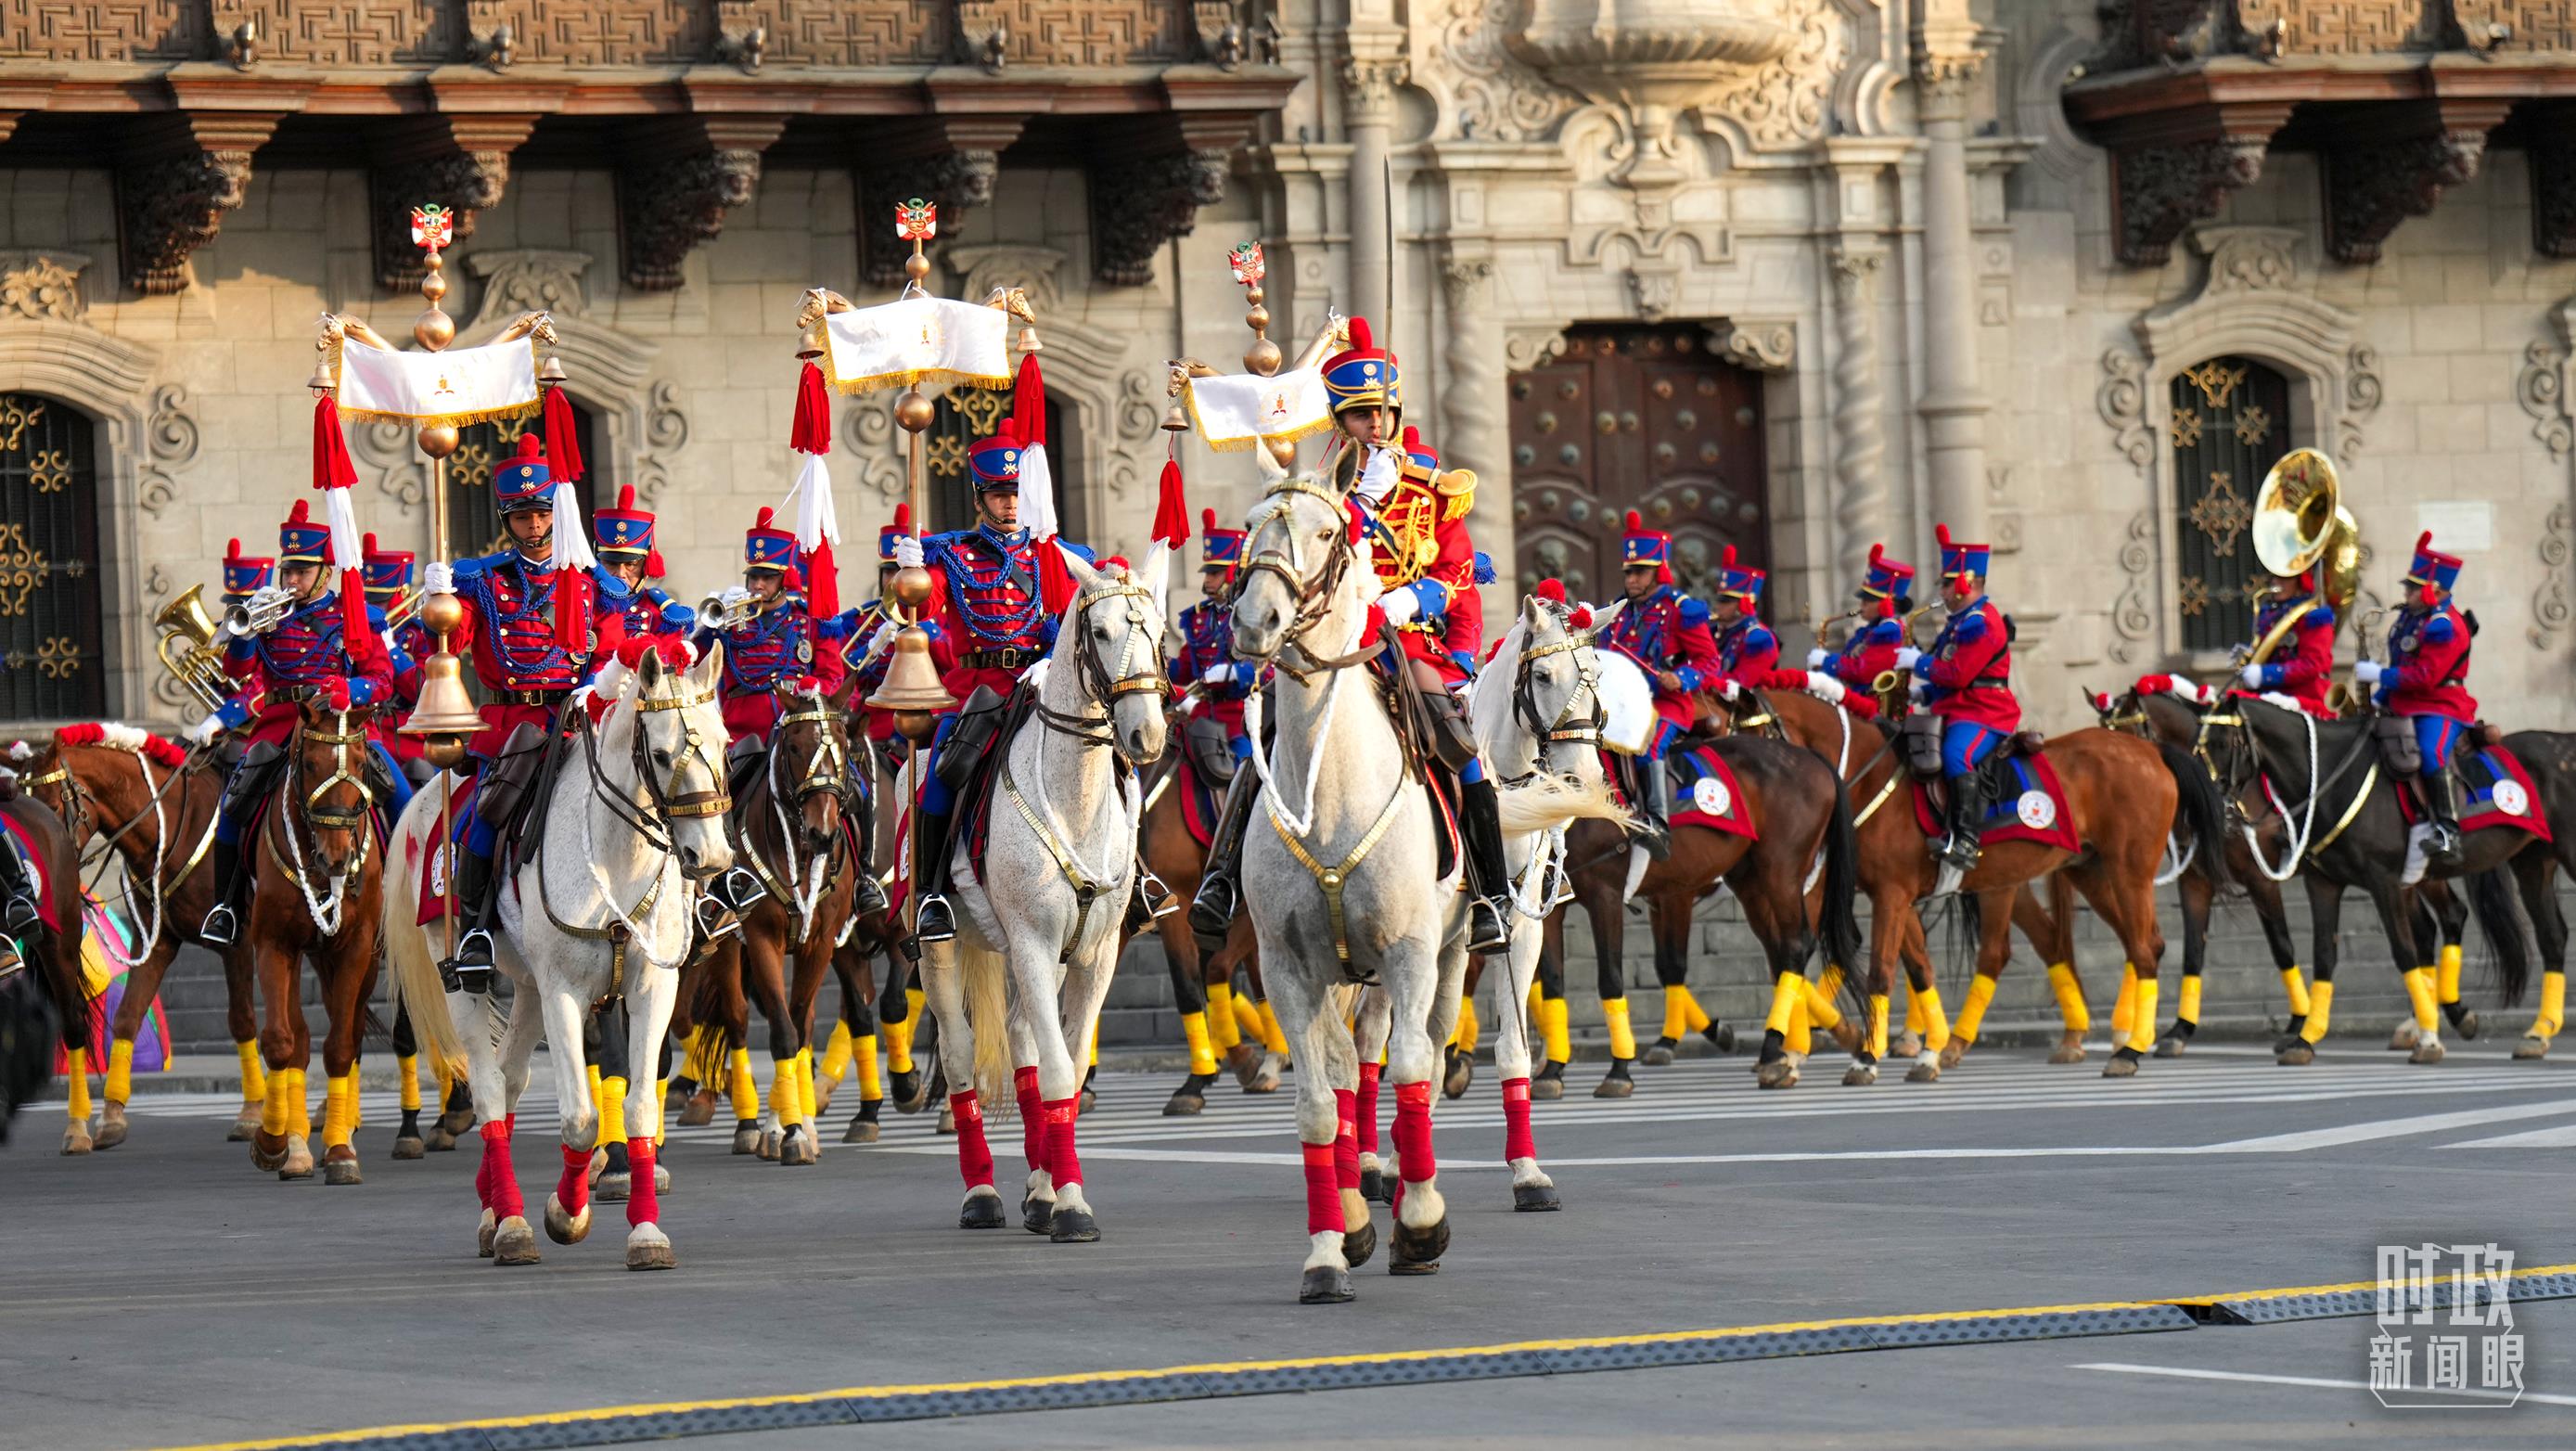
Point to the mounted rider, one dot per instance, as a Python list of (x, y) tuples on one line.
[(623, 539), (2302, 665), (868, 642), (1667, 633), (998, 594), (1746, 648), (2426, 681), (1870, 650), (538, 632), (307, 655), (1218, 683), (1965, 681), (387, 574)]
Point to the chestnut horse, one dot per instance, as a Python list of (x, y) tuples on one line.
[(317, 893), (1201, 985), (52, 952)]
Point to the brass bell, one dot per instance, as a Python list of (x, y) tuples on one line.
[(553, 371), (444, 709), (912, 690), (321, 382), (1176, 419), (1028, 338)]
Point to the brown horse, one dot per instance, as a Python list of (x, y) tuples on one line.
[(1202, 986), (52, 952), (317, 871), (1800, 812), (154, 804)]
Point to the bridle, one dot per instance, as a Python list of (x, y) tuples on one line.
[(1314, 595), (825, 770), (1102, 687), (327, 911), (1567, 727)]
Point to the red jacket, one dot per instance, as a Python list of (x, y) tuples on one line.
[(1970, 669), (1668, 630), (1868, 654), (1447, 633), (2428, 665), (2303, 666), (994, 596), (1747, 650)]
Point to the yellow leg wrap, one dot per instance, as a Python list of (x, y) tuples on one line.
[(700, 1062), (1247, 1019), (898, 1040), (594, 1090), (1469, 1031), (1223, 1031), (2553, 1005), (2189, 1011), (863, 1052), (299, 1105), (253, 1072), (1194, 1032), (2294, 985), (335, 1112), (1917, 1021), (1972, 1014), (1623, 1041), (1829, 982), (1802, 1035), (2123, 1009), (746, 1094), (354, 1114), (836, 1054), (1936, 1020), (1820, 1010), (661, 1096), (2320, 1011), (2450, 972), (1786, 996), (1694, 1017), (1878, 1025), (783, 1103), (273, 1114), (1676, 1020), (1271, 1038), (120, 1070), (805, 1108), (407, 1078), (1552, 1031), (2142, 1022), (612, 1109), (77, 1070), (1537, 1001), (1092, 1054), (2070, 996), (2419, 993)]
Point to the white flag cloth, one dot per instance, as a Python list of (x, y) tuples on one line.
[(459, 386), (1234, 410), (917, 340)]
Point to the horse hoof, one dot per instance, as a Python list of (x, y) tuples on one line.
[(906, 1089), (299, 1159), (2466, 1024), (1721, 1036), (514, 1243), (824, 1088), (2070, 1049), (410, 1146), (1037, 1216), (1185, 1104), (244, 1125), (483, 1235), (2123, 1064), (797, 1147), (2171, 1047), (1245, 1060), (1926, 1069), (1778, 1073), (1266, 1080), (613, 1187), (1460, 1075), (2405, 1037), (698, 1111), (598, 1164), (860, 1131), (651, 1254), (980, 1211), (1615, 1085), (1908, 1044), (1952, 1052), (76, 1137), (1373, 1187), (1359, 1245), (947, 1120), (111, 1126), (1073, 1226), (1090, 1100), (769, 1145), (457, 1121), (746, 1140), (661, 1178), (1860, 1075), (266, 1155), (565, 1228), (2428, 1051), (1325, 1285), (342, 1171), (1659, 1054), (1535, 1199), (1546, 1090), (2298, 1054), (1418, 1251), (2532, 1048), (438, 1140)]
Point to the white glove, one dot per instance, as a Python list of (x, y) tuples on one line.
[(734, 594), (1189, 705), (581, 697), (1400, 605), (1379, 478), (1824, 687), (1221, 673), (2252, 675), (206, 730), (1906, 657), (2366, 672), (878, 642), (1816, 658), (1916, 690), (907, 551), (1728, 690), (438, 577)]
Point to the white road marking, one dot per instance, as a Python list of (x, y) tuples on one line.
[(2498, 1400), (2561, 1137)]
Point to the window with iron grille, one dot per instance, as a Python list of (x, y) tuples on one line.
[(2229, 426), (50, 627), (473, 517), (964, 416)]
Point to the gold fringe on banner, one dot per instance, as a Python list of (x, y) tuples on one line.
[(434, 420)]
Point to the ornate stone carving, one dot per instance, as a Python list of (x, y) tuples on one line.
[(1525, 348), (2362, 394), (1860, 442), (1010, 264), (2122, 400), (465, 182), (41, 285), (1765, 347), (869, 426), (1787, 103), (2250, 259), (1654, 291), (2133, 613), (2372, 186), (2159, 190), (2549, 606), (955, 180), (1492, 95), (1223, 42), (2542, 392), (168, 208), (1368, 85), (1140, 203), (669, 207), (528, 279), (170, 445)]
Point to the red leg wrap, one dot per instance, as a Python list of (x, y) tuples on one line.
[(643, 1206), (1323, 1194), (572, 1187), (501, 1194), (1413, 1131), (1517, 1141), (1368, 1106), (1062, 1163), (1033, 1142), (974, 1156), (1346, 1143)]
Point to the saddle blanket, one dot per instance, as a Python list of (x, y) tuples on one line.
[(19, 840), (2029, 806), (1200, 802), (1705, 792), (2495, 790)]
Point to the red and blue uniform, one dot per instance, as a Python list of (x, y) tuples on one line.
[(1871, 650), (781, 644), (1207, 641), (244, 575), (2426, 678), (860, 625), (1967, 673), (1419, 543), (1746, 648), (387, 573), (627, 531), (1666, 630), (2302, 666)]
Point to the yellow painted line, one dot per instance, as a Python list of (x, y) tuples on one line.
[(2346, 1287)]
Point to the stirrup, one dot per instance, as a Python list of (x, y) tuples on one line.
[(470, 970), (742, 888), (1960, 852), (935, 922), (20, 914), (871, 898), (1212, 909), (1488, 925), (1654, 836), (716, 921), (220, 926)]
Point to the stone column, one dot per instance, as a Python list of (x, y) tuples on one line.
[(1369, 80), (1954, 406), (1473, 431), (1860, 442)]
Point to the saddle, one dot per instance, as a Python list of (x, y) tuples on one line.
[(2494, 789), (1210, 751), (993, 720), (1920, 735)]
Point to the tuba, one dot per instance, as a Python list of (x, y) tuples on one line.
[(2301, 524), (189, 649)]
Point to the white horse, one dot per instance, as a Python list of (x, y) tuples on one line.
[(600, 909), (1038, 927)]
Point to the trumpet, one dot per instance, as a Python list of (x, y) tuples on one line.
[(727, 609), (191, 650), (261, 613), (405, 605)]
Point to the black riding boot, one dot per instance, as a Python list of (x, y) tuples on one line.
[(1212, 910), (2442, 848), (1654, 805), (223, 920), (1967, 819), (1480, 829), (470, 970), (872, 893), (935, 920), (17, 893)]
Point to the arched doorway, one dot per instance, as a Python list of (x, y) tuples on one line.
[(1642, 418), (2230, 424), (473, 520), (51, 636), (964, 415)]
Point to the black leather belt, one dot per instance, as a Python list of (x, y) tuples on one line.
[(1007, 658), (528, 697), (295, 694)]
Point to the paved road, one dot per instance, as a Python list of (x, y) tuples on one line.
[(164, 1293)]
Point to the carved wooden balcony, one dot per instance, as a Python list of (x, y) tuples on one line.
[(2400, 98)]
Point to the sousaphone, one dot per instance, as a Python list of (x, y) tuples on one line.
[(2300, 524)]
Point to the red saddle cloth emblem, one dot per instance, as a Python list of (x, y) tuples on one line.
[(2495, 790), (1705, 793), (2030, 807)]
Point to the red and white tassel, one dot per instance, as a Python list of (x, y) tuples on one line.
[(818, 523), (1037, 480), (335, 474), (573, 558)]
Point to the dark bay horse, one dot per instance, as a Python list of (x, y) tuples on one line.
[(51, 953), (1201, 984)]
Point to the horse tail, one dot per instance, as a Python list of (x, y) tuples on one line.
[(988, 1006), (2202, 810), (1545, 802), (2500, 917), (1842, 886), (415, 980)]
